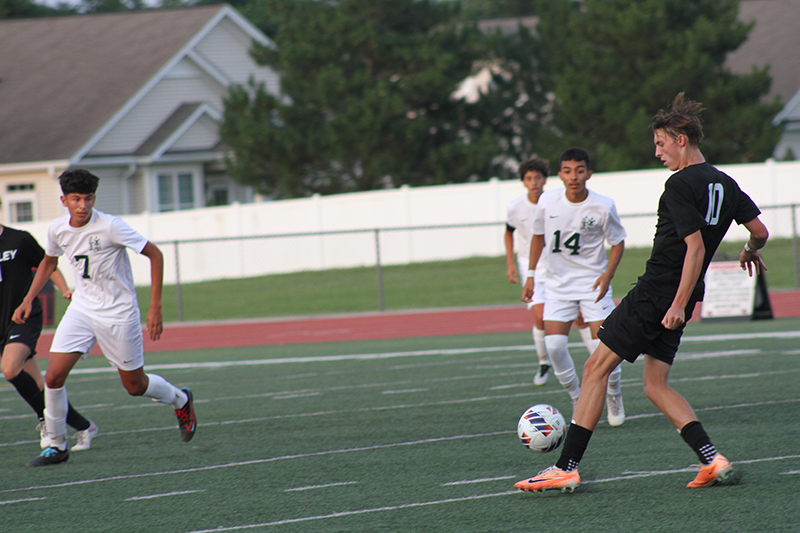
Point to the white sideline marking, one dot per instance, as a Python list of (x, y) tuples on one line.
[(403, 391), (256, 461), (418, 353), (624, 476), (314, 487), (296, 395), (150, 497), (790, 472), (723, 353), (356, 512), (22, 500), (471, 481)]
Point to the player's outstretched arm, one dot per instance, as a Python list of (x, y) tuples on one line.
[(155, 321), (604, 281), (749, 258), (43, 273), (511, 266), (692, 265)]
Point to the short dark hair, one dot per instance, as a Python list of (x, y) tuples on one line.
[(683, 117), (534, 164), (575, 154), (78, 180)]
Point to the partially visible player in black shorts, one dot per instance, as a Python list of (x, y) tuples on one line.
[(697, 207), (26, 334), (19, 255), (634, 327)]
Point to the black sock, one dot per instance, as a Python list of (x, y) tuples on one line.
[(27, 388), (695, 436), (76, 420), (575, 444)]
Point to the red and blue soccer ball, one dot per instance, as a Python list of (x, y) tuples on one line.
[(541, 428)]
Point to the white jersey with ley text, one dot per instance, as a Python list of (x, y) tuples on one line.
[(575, 235), (97, 252), (520, 217)]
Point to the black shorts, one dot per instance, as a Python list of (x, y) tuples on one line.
[(27, 333), (634, 327)]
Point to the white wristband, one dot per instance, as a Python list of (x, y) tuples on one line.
[(748, 250), (529, 273)]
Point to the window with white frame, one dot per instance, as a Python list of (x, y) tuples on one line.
[(175, 191), (20, 203)]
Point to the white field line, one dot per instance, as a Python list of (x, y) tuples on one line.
[(526, 394), (480, 480), (21, 500), (356, 512), (164, 495), (333, 452), (625, 476), (418, 353), (254, 462), (326, 486)]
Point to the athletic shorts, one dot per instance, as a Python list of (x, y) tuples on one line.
[(567, 310), (635, 328), (122, 344), (27, 333), (538, 286)]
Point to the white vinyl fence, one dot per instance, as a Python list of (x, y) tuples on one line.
[(406, 225)]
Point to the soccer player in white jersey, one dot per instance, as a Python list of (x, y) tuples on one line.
[(519, 230), (573, 224), (104, 309)]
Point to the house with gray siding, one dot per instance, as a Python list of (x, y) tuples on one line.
[(135, 97)]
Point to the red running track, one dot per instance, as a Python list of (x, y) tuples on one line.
[(386, 325)]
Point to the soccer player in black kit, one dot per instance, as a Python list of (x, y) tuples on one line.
[(697, 207), (19, 255)]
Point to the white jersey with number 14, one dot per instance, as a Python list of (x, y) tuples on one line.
[(575, 235)]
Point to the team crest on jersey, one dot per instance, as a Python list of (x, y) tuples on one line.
[(94, 243), (588, 224)]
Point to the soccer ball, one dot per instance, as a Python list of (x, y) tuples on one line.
[(541, 428)]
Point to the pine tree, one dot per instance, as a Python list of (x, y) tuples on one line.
[(617, 62)]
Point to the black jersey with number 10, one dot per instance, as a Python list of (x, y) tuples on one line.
[(698, 197)]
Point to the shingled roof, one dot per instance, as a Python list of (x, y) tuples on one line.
[(774, 40), (62, 79)]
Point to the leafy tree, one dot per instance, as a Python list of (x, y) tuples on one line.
[(115, 6), (366, 100), (487, 9), (12, 9), (619, 61)]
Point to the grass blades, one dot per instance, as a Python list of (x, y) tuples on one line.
[(361, 438)]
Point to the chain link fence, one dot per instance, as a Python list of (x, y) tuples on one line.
[(196, 260)]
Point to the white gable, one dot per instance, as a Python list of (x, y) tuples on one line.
[(789, 118), (202, 72), (201, 134)]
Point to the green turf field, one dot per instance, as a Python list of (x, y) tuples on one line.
[(466, 282), (411, 435)]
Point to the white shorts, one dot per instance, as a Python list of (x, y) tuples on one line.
[(122, 344), (538, 286), (567, 310)]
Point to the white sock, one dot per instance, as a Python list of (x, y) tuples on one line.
[(586, 335), (163, 391), (614, 381), (592, 345), (541, 348), (55, 416), (563, 366)]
